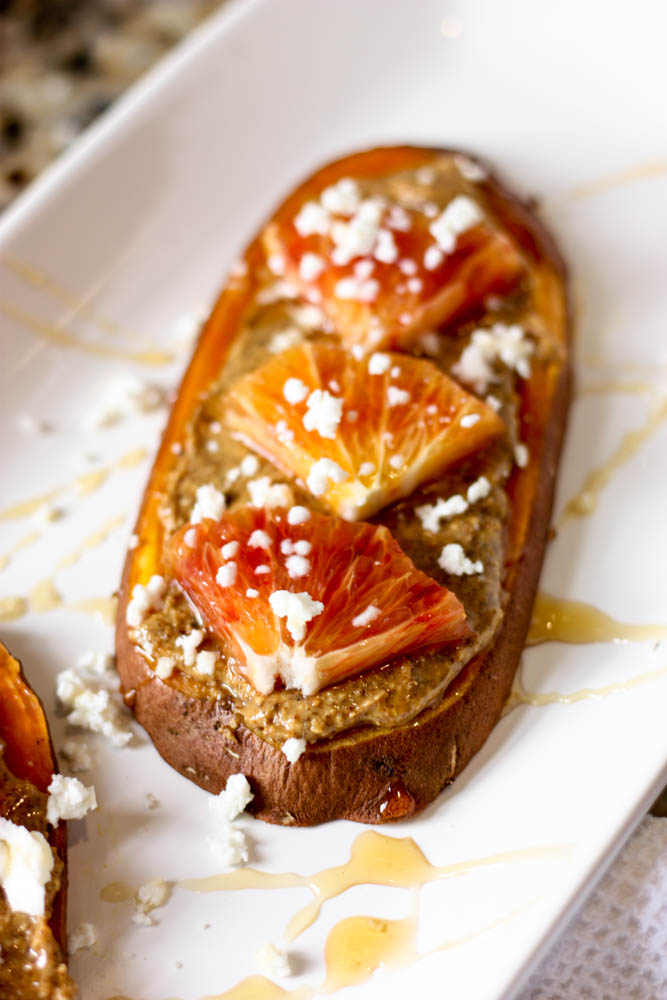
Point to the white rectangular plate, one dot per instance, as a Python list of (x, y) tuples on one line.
[(135, 229)]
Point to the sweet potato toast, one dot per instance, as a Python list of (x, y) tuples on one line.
[(33, 948), (417, 264)]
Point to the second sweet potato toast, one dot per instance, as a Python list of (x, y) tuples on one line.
[(342, 534)]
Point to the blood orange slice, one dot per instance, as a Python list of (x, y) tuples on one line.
[(312, 602), (360, 433), (384, 273)]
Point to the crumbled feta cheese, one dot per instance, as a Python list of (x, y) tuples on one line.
[(165, 667), (461, 213), (397, 461), (429, 342), (209, 502), (366, 469), (226, 575), (232, 475), (385, 250), (295, 391), (500, 342), (212, 446), (396, 396), (341, 198), (366, 617), (125, 396), (425, 175), (90, 709), (176, 448), (96, 664), (357, 352), (469, 169), (150, 896), (297, 566), (77, 755), (205, 662), (493, 402), (415, 285), (293, 748), (407, 266), (478, 490), (431, 515), (264, 493), (303, 547), (323, 413), (357, 237), (312, 218), (83, 936), (68, 799), (334, 385), (190, 538), (454, 560), (274, 962), (364, 268), (277, 292), (276, 263), (352, 416), (145, 599), (284, 433), (521, 455), (249, 465), (469, 420), (229, 550), (259, 539), (133, 542), (433, 258), (263, 568), (26, 862), (229, 845), (189, 644), (251, 592), (323, 472), (378, 363), (395, 371), (233, 799), (298, 609), (311, 266), (298, 515), (430, 209), (353, 288), (399, 219), (284, 339)]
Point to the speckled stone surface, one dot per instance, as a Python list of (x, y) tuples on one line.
[(62, 63)]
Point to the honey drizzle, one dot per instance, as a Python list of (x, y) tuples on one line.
[(61, 337), (585, 501), (520, 696), (556, 619), (84, 484), (92, 541), (260, 988), (640, 172), (23, 543), (12, 608), (375, 859)]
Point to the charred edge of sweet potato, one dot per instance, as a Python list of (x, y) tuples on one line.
[(30, 756), (543, 409)]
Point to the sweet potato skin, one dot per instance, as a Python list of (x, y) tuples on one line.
[(370, 776), (30, 756)]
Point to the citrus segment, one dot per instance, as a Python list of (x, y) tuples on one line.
[(384, 273), (360, 433), (310, 603)]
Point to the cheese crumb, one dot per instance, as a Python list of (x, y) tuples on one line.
[(298, 515), (366, 469), (293, 748), (150, 896), (233, 799), (312, 218), (297, 566), (356, 289), (276, 263), (77, 755), (469, 420), (311, 266), (229, 550), (284, 339), (298, 609), (461, 213), (249, 465), (26, 862), (322, 472), (209, 502), (205, 662), (431, 515), (295, 391), (259, 570), (302, 547), (226, 575), (398, 397), (342, 198), (274, 962), (478, 490), (251, 592), (165, 667), (385, 250), (264, 493), (500, 342), (90, 709), (189, 644), (68, 799), (433, 258), (521, 455), (454, 560), (190, 538), (83, 936), (469, 169), (145, 599), (397, 461), (323, 413), (260, 539), (366, 617), (378, 363)]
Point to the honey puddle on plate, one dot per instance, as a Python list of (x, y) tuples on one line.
[(83, 485), (556, 619), (375, 859)]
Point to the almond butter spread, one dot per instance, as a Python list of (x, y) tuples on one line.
[(31, 962), (396, 691)]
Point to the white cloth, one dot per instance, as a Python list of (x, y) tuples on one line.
[(616, 949)]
